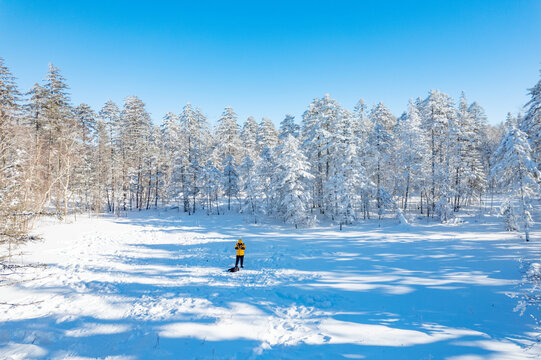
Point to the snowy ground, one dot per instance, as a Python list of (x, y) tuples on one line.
[(153, 285)]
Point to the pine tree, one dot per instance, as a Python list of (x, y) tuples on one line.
[(84, 175), (136, 132), (363, 122), (194, 151), (380, 148), (517, 173), (468, 177), (62, 148), (351, 182), (172, 158), (531, 121), (292, 184), (267, 136), (318, 132), (437, 110), (35, 109), (411, 152), (227, 138), (250, 187), (509, 216), (13, 160), (266, 173), (479, 158), (230, 180), (288, 127), (211, 186), (248, 138), (100, 165), (109, 115)]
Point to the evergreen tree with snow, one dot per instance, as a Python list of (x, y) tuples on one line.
[(479, 159), (194, 151), (509, 216), (14, 159), (380, 148), (517, 173), (210, 186), (319, 128), (35, 112), (351, 183), (530, 123), (364, 124), (230, 180), (227, 138), (411, 152), (266, 173), (137, 133), (267, 136), (437, 110), (110, 117), (292, 182), (62, 153), (288, 127), (100, 165), (84, 175), (250, 187), (248, 137), (173, 159), (468, 177)]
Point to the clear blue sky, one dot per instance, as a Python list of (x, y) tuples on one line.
[(268, 58)]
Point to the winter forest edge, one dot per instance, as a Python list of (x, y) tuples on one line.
[(438, 157)]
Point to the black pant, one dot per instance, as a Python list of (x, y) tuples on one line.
[(241, 258)]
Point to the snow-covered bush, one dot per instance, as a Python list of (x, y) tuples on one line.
[(509, 217)]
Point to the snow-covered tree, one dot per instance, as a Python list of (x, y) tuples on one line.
[(317, 136), (530, 123), (14, 160), (137, 132), (248, 137), (194, 151), (267, 136), (380, 148), (468, 177), (35, 112), (62, 148), (411, 152), (288, 127), (482, 149), (250, 187), (100, 165), (84, 175), (210, 186), (516, 172), (352, 184), (509, 216), (110, 117), (363, 122), (230, 180), (172, 159), (227, 138), (291, 186), (437, 110), (265, 173)]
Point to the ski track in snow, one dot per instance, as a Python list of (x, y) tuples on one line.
[(153, 285)]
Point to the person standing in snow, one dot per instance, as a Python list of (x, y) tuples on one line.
[(240, 247)]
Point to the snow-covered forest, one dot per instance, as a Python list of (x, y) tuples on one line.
[(346, 165)]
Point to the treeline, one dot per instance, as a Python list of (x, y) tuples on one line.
[(434, 159)]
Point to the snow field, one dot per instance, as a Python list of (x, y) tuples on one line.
[(153, 285)]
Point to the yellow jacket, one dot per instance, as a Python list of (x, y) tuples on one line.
[(240, 248)]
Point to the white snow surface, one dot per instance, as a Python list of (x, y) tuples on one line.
[(154, 285)]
